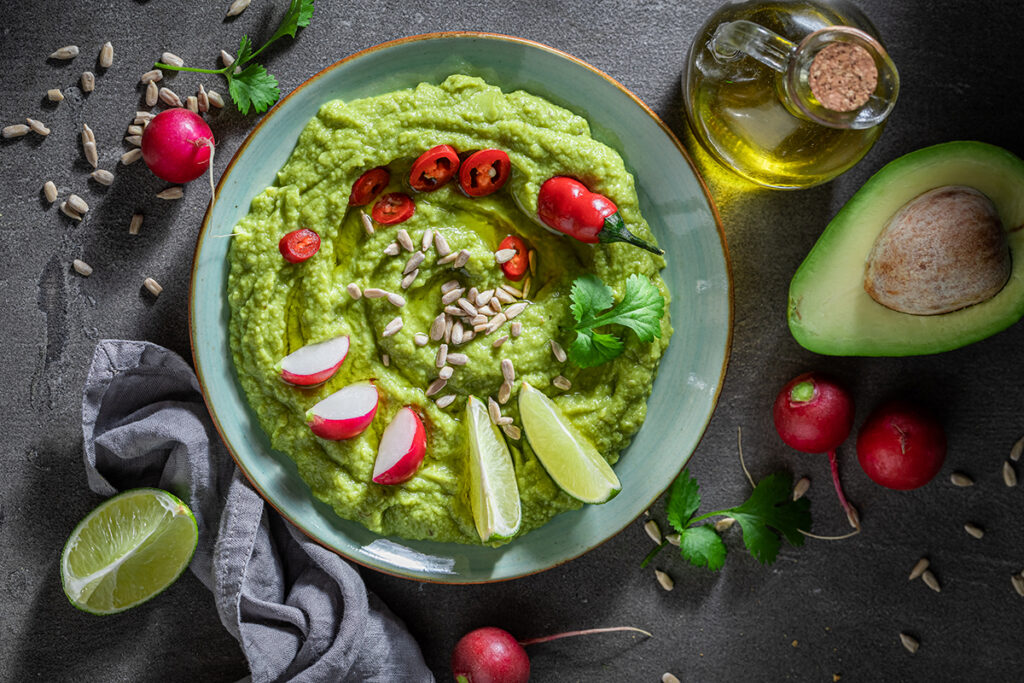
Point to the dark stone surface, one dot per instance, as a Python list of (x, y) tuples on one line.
[(828, 608)]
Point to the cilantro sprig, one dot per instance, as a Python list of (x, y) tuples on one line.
[(766, 517), (640, 310), (248, 82)]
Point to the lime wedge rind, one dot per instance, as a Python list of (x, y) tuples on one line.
[(148, 549), (568, 457), (494, 492)]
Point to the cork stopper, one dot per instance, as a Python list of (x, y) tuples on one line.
[(843, 76)]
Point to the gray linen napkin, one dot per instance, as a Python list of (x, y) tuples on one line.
[(300, 612)]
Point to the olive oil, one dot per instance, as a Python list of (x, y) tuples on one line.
[(757, 118)]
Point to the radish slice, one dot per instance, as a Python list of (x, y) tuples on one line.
[(401, 450), (314, 363), (345, 413)]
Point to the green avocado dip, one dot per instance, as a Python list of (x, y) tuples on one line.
[(278, 307)]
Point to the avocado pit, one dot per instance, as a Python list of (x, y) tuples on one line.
[(942, 251)]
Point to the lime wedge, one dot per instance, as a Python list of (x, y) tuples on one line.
[(570, 459), (493, 492), (130, 548)]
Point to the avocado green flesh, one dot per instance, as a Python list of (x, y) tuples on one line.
[(829, 311)]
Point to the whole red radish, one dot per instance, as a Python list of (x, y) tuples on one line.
[(177, 145), (490, 655), (901, 446), (814, 414)]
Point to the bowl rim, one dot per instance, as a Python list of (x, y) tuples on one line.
[(435, 36)]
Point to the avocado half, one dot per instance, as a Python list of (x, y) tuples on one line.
[(829, 310)]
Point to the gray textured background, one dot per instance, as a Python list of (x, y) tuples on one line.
[(828, 608)]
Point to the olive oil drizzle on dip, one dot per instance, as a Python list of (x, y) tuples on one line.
[(278, 307)]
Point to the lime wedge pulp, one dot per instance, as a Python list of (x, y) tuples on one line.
[(493, 491), (127, 550), (568, 456)]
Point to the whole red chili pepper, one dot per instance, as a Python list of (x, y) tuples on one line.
[(566, 205)]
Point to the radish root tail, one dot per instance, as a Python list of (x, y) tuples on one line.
[(586, 632), (739, 447), (851, 512)]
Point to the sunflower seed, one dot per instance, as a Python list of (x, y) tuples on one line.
[(930, 580), (448, 325), (445, 400), (558, 351), (237, 7), (513, 291), (409, 279), (472, 295), (441, 245), (77, 204), (504, 420), (724, 524), (452, 296), (215, 99), (152, 95), (374, 293), (1009, 474), (461, 260), (1018, 447), (479, 318), (446, 259), (392, 249), (134, 140), (66, 52), (516, 329), (133, 227), (392, 327), (468, 308), (385, 360), (169, 97), (668, 678), (81, 267), (203, 99), (652, 529), (504, 255), (437, 328), (449, 286), (562, 383), (69, 212), (852, 516), (153, 286), (507, 370), (103, 176), (455, 311), (428, 239), (37, 127), (173, 192), (420, 339), (151, 77), (526, 287), (501, 296), (493, 410), (396, 299), (88, 81), (442, 356), (50, 191), (404, 239), (226, 58), (457, 331), (532, 255), (498, 342), (468, 336), (512, 432), (918, 568), (135, 130), (92, 155), (974, 530), (504, 393), (172, 59), (483, 298), (354, 291), (801, 488), (107, 55), (910, 643), (495, 305), (664, 580), (457, 359), (436, 386), (961, 479), (1018, 584), (192, 104), (674, 539), (413, 263), (496, 322), (480, 327), (55, 95), (145, 115)]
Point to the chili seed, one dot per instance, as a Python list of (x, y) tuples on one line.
[(909, 643), (651, 527), (133, 227), (153, 286), (50, 191), (354, 291), (88, 81), (558, 351), (392, 327), (1009, 474), (961, 479), (81, 267), (107, 55), (918, 568), (55, 95), (801, 488), (664, 580), (66, 52)]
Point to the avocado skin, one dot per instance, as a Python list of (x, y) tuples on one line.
[(830, 313)]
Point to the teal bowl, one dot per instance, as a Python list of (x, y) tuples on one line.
[(676, 204)]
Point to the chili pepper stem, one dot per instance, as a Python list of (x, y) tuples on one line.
[(615, 231)]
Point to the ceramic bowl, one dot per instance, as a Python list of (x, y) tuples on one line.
[(673, 199)]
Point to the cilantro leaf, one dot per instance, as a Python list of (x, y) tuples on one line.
[(298, 15), (591, 349), (244, 51), (703, 547), (640, 310), (683, 500), (770, 509), (253, 86), (590, 295)]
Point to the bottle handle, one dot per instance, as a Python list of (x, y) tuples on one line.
[(742, 38)]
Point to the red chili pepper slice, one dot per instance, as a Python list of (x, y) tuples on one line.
[(566, 205), (516, 267), (484, 172), (392, 208), (434, 168), (299, 245), (369, 185)]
